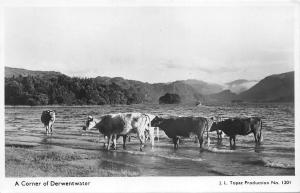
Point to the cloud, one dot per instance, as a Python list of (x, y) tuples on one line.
[(153, 44)]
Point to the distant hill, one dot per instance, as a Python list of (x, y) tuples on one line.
[(10, 72), (49, 87), (203, 87), (152, 92), (129, 90), (240, 85), (223, 96), (187, 93), (274, 88)]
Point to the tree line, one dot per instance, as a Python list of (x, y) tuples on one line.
[(64, 90)]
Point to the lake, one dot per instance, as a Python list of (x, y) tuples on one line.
[(275, 156)]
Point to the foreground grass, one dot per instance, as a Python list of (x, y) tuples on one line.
[(24, 162)]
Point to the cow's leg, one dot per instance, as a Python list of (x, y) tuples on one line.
[(255, 137), (141, 137), (51, 129), (124, 141), (157, 133), (260, 138), (200, 138), (230, 141), (234, 141), (129, 138), (219, 133), (176, 142), (115, 141), (104, 143), (208, 138), (146, 134), (108, 142), (51, 125), (152, 136)]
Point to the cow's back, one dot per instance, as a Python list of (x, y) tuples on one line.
[(236, 126), (122, 123), (183, 126), (111, 124), (47, 116)]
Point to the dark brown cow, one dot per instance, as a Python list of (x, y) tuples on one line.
[(240, 126), (183, 126)]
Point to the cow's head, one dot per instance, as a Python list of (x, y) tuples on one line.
[(214, 126), (52, 115), (89, 123), (156, 121), (210, 122)]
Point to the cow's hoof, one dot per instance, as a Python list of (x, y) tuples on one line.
[(141, 149)]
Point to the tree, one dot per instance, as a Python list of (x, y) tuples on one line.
[(169, 98)]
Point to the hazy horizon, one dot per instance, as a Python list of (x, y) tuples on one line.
[(215, 44), (249, 80)]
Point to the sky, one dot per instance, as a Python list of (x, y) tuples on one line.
[(215, 44)]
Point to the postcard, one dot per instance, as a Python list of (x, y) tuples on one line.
[(152, 96)]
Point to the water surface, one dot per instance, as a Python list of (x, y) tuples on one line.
[(274, 157)]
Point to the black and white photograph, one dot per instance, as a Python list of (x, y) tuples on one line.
[(201, 91)]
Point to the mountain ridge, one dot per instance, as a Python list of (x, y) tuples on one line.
[(190, 90)]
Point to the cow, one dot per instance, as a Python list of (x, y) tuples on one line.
[(48, 119), (114, 125), (184, 127), (240, 126)]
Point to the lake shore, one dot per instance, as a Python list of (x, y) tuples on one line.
[(25, 162)]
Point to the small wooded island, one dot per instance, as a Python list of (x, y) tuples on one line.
[(169, 98)]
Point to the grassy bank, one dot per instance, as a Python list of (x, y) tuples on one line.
[(26, 162)]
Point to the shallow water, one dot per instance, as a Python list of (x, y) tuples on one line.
[(274, 157)]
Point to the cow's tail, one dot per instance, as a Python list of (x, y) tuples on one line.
[(260, 134)]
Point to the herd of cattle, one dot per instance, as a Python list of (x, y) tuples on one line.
[(112, 126)]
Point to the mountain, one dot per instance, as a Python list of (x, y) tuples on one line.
[(98, 88), (49, 87), (274, 88), (203, 87), (10, 72), (240, 85), (187, 93), (152, 92), (223, 96)]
